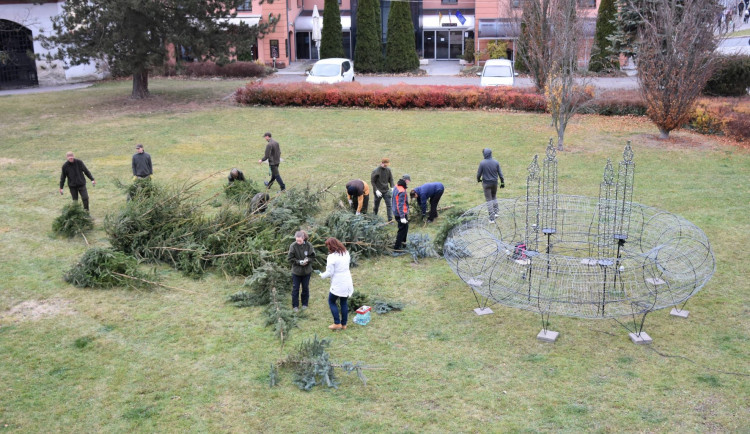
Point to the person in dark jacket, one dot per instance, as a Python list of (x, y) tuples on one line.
[(141, 163), (301, 254), (488, 173), (273, 155), (359, 190), (73, 170), (400, 205), (381, 180), (236, 175), (432, 191)]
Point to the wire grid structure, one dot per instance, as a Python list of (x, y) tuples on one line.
[(578, 256)]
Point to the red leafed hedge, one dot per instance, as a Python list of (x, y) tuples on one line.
[(401, 96)]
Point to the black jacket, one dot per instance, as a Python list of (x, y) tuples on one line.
[(240, 177), (74, 172), (142, 165), (273, 153)]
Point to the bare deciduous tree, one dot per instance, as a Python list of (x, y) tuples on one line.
[(676, 44), (565, 93)]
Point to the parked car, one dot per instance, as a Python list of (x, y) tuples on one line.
[(497, 72), (334, 70)]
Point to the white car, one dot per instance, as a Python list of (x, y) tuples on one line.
[(497, 72), (331, 71)]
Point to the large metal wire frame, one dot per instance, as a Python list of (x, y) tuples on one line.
[(666, 260)]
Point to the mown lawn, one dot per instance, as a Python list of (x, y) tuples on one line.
[(77, 360)]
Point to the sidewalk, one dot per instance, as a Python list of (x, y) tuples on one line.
[(42, 89)]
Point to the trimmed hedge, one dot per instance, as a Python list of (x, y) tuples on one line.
[(731, 77), (211, 69), (400, 96)]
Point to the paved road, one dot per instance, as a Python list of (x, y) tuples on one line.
[(602, 83)]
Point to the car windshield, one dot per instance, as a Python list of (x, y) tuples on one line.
[(326, 70), (497, 71)]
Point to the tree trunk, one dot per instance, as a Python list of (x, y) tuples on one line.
[(663, 134), (140, 84), (560, 135)]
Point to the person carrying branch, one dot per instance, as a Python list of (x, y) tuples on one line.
[(358, 193)]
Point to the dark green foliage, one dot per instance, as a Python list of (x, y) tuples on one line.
[(331, 42), (73, 221), (385, 306), (420, 246), (400, 52), (730, 78), (131, 35), (365, 234), (279, 316), (241, 192), (627, 21), (368, 53), (261, 284), (312, 365), (140, 187), (602, 55), (448, 221), (105, 268), (358, 299)]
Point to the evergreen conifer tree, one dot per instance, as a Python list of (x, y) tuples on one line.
[(368, 53), (602, 55), (401, 53), (627, 20), (331, 43)]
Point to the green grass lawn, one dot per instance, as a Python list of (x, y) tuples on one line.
[(121, 360)]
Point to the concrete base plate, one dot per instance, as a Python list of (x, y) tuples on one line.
[(483, 311), (526, 261), (680, 313), (640, 339), (655, 281), (547, 336)]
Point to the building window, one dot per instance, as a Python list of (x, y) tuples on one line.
[(449, 2), (246, 6), (587, 4), (274, 43)]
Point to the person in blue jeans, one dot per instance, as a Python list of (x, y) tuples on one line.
[(432, 191), (337, 268), (301, 254)]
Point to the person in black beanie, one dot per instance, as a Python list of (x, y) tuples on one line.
[(73, 170)]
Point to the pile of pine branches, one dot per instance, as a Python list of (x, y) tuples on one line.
[(73, 221), (106, 268)]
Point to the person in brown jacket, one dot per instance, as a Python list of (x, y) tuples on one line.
[(273, 155), (359, 190)]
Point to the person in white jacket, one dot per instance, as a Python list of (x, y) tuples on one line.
[(337, 268)]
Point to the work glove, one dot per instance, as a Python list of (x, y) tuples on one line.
[(358, 213), (350, 202), (317, 271), (303, 262), (378, 193), (479, 180), (502, 183), (404, 221)]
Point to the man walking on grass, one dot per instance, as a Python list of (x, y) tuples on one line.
[(73, 170), (273, 155), (488, 173), (141, 163)]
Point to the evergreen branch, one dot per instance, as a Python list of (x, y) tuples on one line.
[(152, 283)]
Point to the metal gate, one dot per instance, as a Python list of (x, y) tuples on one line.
[(17, 63)]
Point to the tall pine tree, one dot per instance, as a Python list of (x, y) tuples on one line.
[(400, 53), (602, 55), (331, 43), (368, 53)]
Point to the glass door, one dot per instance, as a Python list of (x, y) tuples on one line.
[(442, 39), (456, 44)]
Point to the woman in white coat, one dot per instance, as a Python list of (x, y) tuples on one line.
[(337, 268)]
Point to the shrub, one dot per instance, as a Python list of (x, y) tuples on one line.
[(241, 192), (234, 69), (331, 44), (468, 50), (616, 103), (449, 220), (497, 50), (400, 54), (730, 78), (74, 220), (706, 122), (368, 53)]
